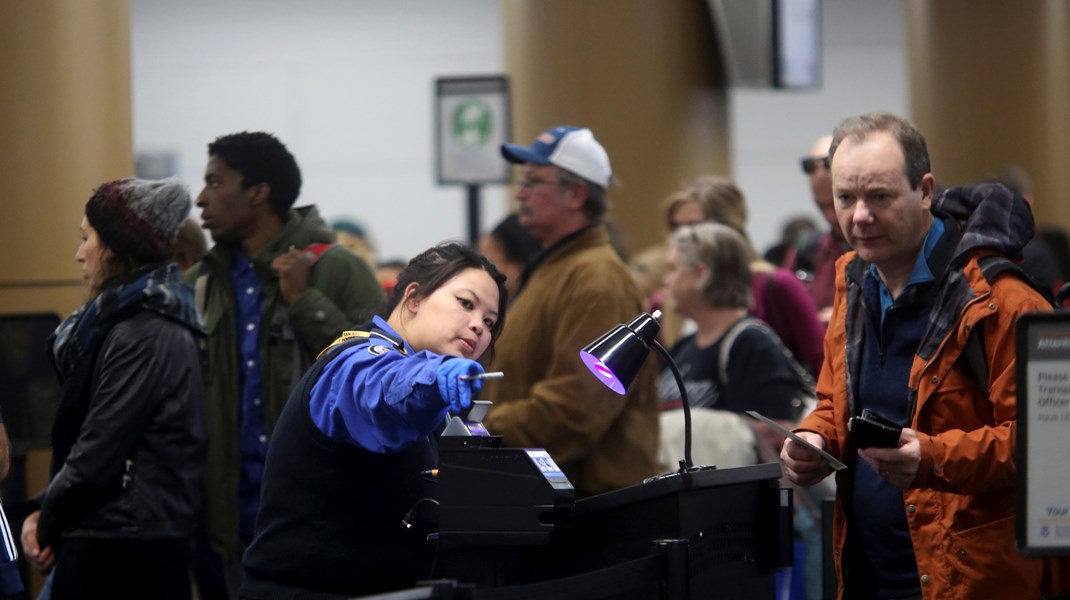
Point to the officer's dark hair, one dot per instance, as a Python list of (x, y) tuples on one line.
[(261, 158), (434, 267)]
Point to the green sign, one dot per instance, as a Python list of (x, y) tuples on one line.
[(472, 123)]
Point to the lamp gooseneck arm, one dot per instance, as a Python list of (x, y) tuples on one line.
[(686, 464)]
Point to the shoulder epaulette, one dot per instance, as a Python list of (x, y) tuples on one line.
[(348, 336)]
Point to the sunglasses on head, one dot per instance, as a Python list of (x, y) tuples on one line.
[(810, 164)]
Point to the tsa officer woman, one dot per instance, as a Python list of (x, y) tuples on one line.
[(344, 466)]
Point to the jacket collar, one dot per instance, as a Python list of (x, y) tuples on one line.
[(589, 236), (303, 227)]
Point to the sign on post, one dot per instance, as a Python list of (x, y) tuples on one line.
[(472, 122)]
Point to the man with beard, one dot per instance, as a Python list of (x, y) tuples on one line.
[(572, 292)]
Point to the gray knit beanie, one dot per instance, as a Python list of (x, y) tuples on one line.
[(139, 217)]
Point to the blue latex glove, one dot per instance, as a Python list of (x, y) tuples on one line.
[(455, 391)]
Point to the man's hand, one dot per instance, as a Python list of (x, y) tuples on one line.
[(802, 465), (897, 465), (294, 269), (41, 559)]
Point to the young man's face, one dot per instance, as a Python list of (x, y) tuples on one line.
[(882, 218), (227, 210)]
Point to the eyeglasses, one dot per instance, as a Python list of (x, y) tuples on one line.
[(809, 164), (528, 184)]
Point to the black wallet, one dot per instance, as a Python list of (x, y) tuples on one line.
[(872, 430)]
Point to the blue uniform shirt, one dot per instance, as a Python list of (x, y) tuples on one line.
[(379, 395), (252, 428)]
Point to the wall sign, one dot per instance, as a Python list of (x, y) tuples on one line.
[(472, 122)]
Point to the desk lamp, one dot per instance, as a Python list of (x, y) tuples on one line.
[(616, 357)]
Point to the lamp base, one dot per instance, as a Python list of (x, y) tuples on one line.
[(684, 469)]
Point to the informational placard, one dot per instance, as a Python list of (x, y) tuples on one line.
[(1043, 470), (472, 122)]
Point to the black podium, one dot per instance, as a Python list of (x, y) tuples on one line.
[(509, 528)]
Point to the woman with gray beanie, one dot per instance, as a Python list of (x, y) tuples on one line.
[(129, 439)]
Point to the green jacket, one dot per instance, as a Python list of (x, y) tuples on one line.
[(343, 291)]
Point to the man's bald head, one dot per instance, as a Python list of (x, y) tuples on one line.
[(821, 182)]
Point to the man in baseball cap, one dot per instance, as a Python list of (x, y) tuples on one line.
[(574, 290)]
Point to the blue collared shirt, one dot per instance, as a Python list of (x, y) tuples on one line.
[(252, 428), (921, 272), (878, 508)]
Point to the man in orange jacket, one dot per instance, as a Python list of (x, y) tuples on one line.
[(933, 516)]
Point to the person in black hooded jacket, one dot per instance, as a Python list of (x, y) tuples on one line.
[(129, 438)]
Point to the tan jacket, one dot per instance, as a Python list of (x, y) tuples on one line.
[(548, 399)]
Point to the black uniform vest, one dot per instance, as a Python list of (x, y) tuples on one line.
[(331, 513)]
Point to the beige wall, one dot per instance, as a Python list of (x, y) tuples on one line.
[(66, 121), (990, 84), (644, 76)]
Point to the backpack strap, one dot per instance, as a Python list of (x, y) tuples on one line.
[(739, 327), (996, 265), (807, 400), (1063, 295), (993, 267), (726, 345)]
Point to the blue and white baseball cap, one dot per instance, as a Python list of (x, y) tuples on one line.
[(571, 148)]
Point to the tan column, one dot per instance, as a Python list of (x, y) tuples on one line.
[(65, 110), (645, 76), (65, 115), (990, 84)]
